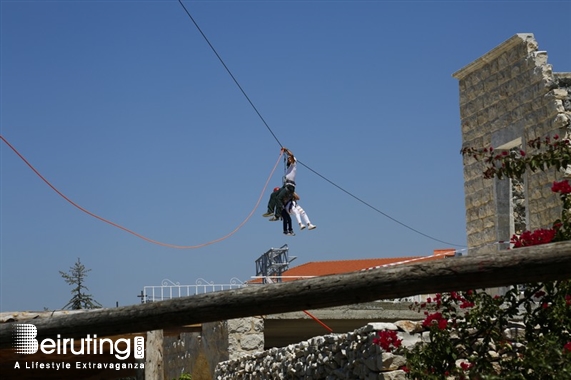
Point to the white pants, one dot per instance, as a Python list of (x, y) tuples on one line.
[(299, 214)]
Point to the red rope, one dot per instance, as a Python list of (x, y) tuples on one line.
[(318, 321), (134, 233)]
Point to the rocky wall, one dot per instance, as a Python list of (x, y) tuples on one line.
[(350, 355), (336, 356)]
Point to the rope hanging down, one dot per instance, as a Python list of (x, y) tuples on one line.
[(134, 233)]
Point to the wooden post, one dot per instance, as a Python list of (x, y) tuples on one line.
[(154, 369), (530, 264)]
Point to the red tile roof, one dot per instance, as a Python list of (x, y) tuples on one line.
[(324, 268)]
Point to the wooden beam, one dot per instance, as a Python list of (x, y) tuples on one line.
[(529, 264)]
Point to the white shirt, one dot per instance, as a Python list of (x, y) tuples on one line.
[(291, 170)]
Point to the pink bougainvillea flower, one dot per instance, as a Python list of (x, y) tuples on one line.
[(466, 304), (561, 187), (431, 317), (388, 340), (438, 299), (528, 238), (442, 324), (466, 365), (437, 319)]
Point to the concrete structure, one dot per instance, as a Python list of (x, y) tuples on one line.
[(199, 352), (509, 96)]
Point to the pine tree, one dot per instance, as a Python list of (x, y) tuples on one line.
[(76, 277)]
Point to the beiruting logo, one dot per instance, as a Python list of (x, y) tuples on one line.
[(25, 342)]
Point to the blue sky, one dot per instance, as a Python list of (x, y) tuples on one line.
[(125, 109)]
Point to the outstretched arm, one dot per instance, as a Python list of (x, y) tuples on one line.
[(290, 157), (288, 152)]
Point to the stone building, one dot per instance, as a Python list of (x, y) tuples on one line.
[(509, 96)]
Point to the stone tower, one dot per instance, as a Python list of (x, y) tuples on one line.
[(507, 97)]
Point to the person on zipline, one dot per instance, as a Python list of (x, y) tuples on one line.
[(284, 216), (279, 199)]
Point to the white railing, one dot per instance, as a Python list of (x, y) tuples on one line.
[(169, 289)]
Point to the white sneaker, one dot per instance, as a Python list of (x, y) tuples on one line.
[(311, 226), (302, 226)]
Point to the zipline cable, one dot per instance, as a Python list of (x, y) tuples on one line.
[(377, 210), (132, 232), (230, 73), (275, 137)]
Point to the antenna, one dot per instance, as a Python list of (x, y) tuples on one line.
[(273, 264)]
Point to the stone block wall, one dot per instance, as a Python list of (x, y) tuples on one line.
[(510, 93), (245, 336)]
